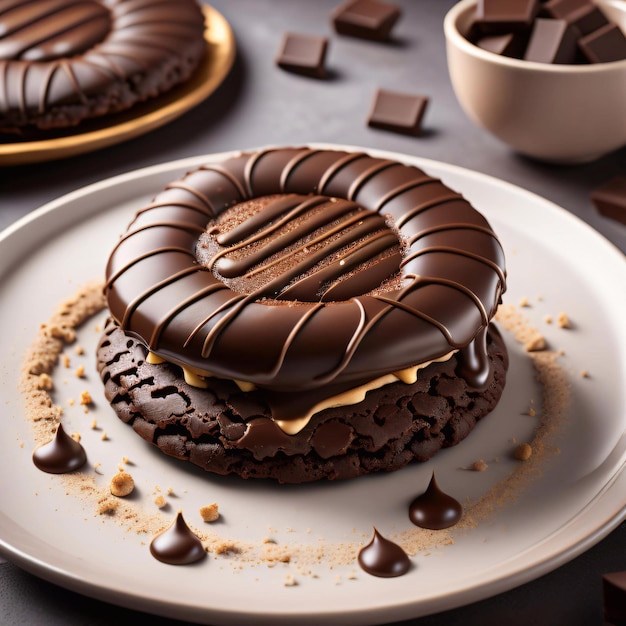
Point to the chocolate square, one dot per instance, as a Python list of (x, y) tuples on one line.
[(604, 45), (552, 41), (303, 54), (398, 112), (366, 19), (610, 200), (583, 14), (508, 45), (502, 16), (614, 595)]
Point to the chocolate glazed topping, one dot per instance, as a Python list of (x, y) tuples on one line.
[(55, 52), (449, 279)]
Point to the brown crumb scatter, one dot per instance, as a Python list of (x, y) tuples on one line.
[(85, 398), (535, 343), (523, 452), (122, 484), (210, 513)]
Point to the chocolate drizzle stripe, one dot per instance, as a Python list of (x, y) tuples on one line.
[(236, 305), (357, 336), (200, 209), (361, 216), (366, 175), (297, 160), (439, 228), (181, 306), (134, 304), (336, 167), (300, 208), (226, 174), (449, 196), (206, 206), (45, 89), (249, 170), (449, 250), (295, 332), (142, 257), (400, 189)]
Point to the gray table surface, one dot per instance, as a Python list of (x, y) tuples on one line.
[(257, 105)]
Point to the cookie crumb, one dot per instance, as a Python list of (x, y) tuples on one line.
[(290, 581), (85, 398), (523, 452), (122, 484), (80, 371), (65, 360), (548, 319), (79, 350), (209, 513), (104, 436), (160, 502), (479, 466), (524, 302), (532, 412), (75, 437), (45, 382), (585, 374), (535, 344), (563, 321)]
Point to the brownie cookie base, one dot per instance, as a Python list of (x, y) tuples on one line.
[(226, 431)]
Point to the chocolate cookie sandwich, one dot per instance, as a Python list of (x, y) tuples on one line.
[(301, 314), (65, 61)]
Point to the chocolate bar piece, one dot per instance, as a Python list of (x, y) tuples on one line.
[(503, 16), (604, 45), (398, 112), (610, 199), (303, 54), (552, 41), (614, 593), (366, 19), (508, 45), (583, 14)]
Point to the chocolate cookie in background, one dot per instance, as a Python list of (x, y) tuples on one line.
[(65, 61), (301, 314)]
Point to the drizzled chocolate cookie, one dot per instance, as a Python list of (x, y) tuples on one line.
[(302, 314), (64, 61)]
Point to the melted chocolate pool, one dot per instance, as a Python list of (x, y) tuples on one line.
[(435, 509), (177, 545), (384, 558), (60, 455)]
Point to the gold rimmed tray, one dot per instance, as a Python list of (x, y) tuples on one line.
[(142, 118)]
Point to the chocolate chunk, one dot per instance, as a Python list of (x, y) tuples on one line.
[(502, 16), (398, 112), (582, 14), (604, 45), (367, 19), (614, 593), (552, 41), (303, 54), (508, 45), (610, 199)]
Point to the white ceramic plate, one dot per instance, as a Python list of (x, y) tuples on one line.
[(554, 260)]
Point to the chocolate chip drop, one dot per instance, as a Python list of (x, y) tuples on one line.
[(60, 455), (384, 558), (177, 545), (435, 509)]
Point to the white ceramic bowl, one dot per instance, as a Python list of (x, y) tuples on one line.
[(560, 113)]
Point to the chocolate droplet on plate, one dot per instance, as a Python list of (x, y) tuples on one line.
[(435, 509), (60, 455), (177, 545), (384, 558)]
